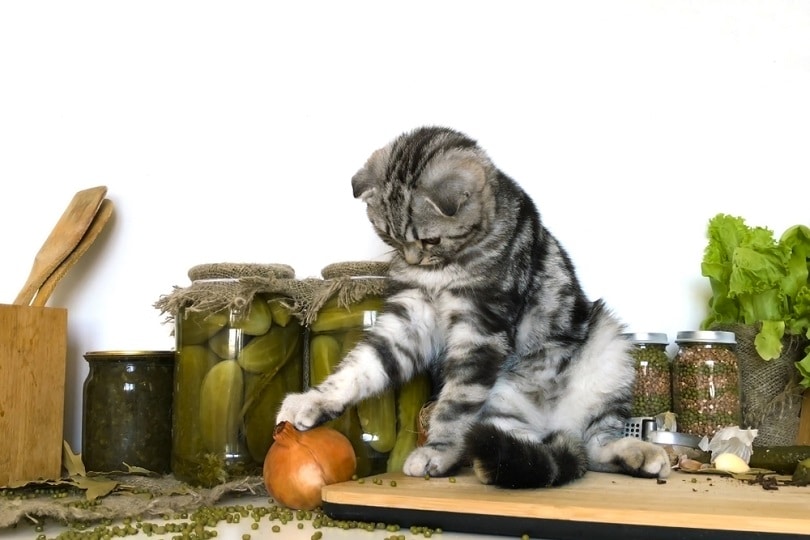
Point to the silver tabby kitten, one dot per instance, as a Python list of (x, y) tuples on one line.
[(535, 378)]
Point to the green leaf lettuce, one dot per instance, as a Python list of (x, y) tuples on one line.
[(758, 279)]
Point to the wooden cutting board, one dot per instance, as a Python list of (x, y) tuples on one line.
[(33, 353), (598, 506)]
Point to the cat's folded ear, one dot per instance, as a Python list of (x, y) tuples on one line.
[(363, 185), (366, 180), (448, 183)]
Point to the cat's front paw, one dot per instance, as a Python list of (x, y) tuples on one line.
[(426, 460), (307, 410)]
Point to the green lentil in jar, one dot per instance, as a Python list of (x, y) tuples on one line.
[(652, 388), (706, 382)]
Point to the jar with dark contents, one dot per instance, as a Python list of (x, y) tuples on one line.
[(706, 382), (383, 429), (239, 353), (127, 411), (652, 388)]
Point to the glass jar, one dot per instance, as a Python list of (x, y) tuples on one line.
[(383, 428), (652, 389), (232, 374), (240, 351), (706, 382), (127, 411)]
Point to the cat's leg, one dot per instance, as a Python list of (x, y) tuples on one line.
[(628, 455), (450, 420), (604, 375), (470, 368), (511, 444), (609, 451), (396, 348)]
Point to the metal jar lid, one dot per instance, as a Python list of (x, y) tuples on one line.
[(128, 355), (653, 338), (707, 336)]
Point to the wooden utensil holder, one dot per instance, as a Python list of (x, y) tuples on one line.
[(33, 354)]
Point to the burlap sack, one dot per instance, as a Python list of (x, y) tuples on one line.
[(770, 393)]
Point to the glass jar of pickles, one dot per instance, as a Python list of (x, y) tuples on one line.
[(652, 389), (382, 429), (127, 411), (240, 351), (706, 382)]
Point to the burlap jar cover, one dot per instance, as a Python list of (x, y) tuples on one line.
[(770, 392), (232, 286), (348, 283)]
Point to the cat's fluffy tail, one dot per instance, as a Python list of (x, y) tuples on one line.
[(508, 461)]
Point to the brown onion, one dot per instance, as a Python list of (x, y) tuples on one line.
[(299, 463)]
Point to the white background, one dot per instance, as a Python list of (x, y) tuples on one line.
[(229, 131)]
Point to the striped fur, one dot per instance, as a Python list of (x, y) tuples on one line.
[(535, 378)]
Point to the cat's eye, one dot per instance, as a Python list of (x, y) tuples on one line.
[(431, 241)]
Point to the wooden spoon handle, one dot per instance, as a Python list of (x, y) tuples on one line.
[(63, 238), (103, 215)]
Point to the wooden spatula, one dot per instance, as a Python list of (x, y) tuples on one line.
[(101, 218), (64, 237)]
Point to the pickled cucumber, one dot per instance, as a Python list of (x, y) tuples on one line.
[(378, 419), (226, 343), (195, 326), (780, 459), (280, 312), (350, 340), (267, 353), (324, 356), (331, 317), (263, 398), (412, 397), (258, 318), (221, 399), (193, 363), (801, 476)]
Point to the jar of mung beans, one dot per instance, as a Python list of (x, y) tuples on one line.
[(652, 388), (706, 382)]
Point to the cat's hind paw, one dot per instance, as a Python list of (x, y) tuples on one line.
[(429, 461), (307, 410), (640, 458)]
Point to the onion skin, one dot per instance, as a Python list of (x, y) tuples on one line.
[(299, 463)]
